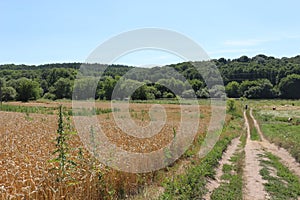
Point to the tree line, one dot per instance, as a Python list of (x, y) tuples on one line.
[(257, 77)]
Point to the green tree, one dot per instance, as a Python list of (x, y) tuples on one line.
[(260, 89), (108, 87), (217, 91), (27, 89), (63, 88), (202, 93), (245, 85), (145, 92), (289, 87), (233, 89), (196, 84), (9, 93), (2, 86), (188, 94)]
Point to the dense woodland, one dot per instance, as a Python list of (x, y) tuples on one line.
[(257, 77)]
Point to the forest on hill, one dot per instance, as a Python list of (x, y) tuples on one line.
[(259, 77)]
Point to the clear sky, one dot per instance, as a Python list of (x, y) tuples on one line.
[(37, 32)]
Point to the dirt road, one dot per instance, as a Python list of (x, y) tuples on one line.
[(253, 187), (215, 183), (283, 154)]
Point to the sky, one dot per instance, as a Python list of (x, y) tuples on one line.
[(38, 32)]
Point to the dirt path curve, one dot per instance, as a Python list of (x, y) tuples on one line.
[(282, 153), (213, 184), (253, 187)]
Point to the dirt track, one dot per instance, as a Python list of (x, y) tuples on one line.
[(253, 181), (283, 154), (213, 184), (254, 188)]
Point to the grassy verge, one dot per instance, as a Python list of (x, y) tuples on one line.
[(191, 185), (281, 183), (232, 178), (54, 110), (28, 109), (172, 101), (282, 133), (253, 132)]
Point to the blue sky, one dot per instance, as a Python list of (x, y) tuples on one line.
[(37, 32)]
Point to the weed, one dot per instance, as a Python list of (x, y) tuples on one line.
[(282, 185), (65, 163), (253, 132), (231, 105), (232, 185)]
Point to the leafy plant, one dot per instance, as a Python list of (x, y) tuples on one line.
[(231, 105), (62, 151)]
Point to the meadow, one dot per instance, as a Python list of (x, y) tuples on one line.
[(276, 126)]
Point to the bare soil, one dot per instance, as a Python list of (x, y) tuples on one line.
[(215, 183), (253, 188)]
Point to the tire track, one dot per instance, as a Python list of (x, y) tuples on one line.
[(253, 187), (215, 183), (286, 158)]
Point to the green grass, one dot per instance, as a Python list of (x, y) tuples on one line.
[(281, 184), (54, 110), (273, 102), (173, 101), (253, 132), (277, 129), (284, 135), (191, 184), (232, 185), (93, 111), (27, 109)]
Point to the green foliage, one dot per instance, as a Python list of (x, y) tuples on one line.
[(284, 184), (62, 151), (231, 105), (49, 96), (107, 88), (2, 86), (196, 84), (188, 94), (284, 135), (141, 93), (277, 129), (262, 88), (8, 93), (217, 91), (191, 185), (257, 77), (233, 89), (63, 88), (27, 109), (27, 89), (290, 86), (253, 132)]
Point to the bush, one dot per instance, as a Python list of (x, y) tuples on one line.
[(9, 93), (289, 87), (231, 105), (49, 96)]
